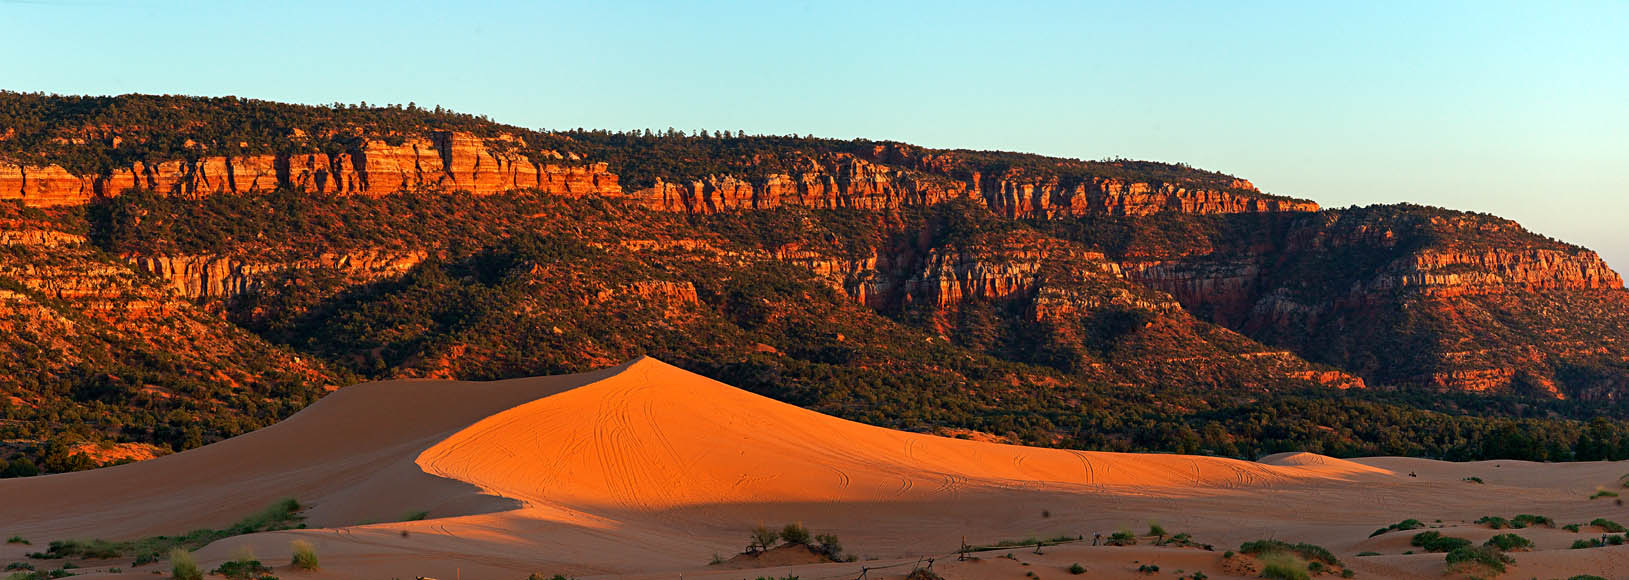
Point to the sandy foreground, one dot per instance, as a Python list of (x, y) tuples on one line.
[(648, 471)]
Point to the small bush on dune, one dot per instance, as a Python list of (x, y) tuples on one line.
[(795, 534), (1608, 525), (1405, 525), (829, 546), (1077, 569), (1156, 530), (1284, 566), (18, 540), (1585, 577), (1436, 542), (1467, 559), (1574, 528), (183, 567), (1474, 479), (1509, 543), (305, 555), (1530, 520), (1121, 538), (1309, 552), (763, 538), (1494, 522)]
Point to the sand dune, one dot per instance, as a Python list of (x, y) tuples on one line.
[(648, 469)]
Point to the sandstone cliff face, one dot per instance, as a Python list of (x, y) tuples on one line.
[(1457, 297), (835, 181), (202, 277), (442, 160), (847, 181)]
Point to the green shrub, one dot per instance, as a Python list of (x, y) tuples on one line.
[(1148, 569), (1615, 540), (1362, 554), (1156, 530), (17, 540), (1462, 558), (415, 516), (1408, 524), (1436, 542), (1590, 543), (829, 546), (1574, 528), (1603, 493), (183, 567), (1509, 543), (1474, 479), (1608, 525), (1077, 569), (795, 534), (1494, 522), (1284, 566), (763, 538), (241, 568), (1121, 538), (1585, 577), (304, 555), (1529, 520), (1309, 552)]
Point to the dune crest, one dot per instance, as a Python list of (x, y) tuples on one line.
[(653, 436)]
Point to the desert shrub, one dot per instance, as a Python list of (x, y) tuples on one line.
[(183, 567), (540, 576), (1462, 558), (829, 546), (1362, 554), (1585, 577), (922, 574), (1509, 543), (1608, 525), (1574, 528), (1405, 525), (763, 538), (1474, 479), (1529, 520), (415, 516), (1603, 493), (1197, 575), (1284, 566), (795, 534), (1121, 538), (1077, 569), (241, 568), (1309, 552), (1436, 542), (145, 558), (1494, 522), (1615, 540), (17, 540), (19, 566), (1590, 543), (304, 555), (1156, 530), (1148, 569)]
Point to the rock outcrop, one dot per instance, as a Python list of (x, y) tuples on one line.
[(202, 277), (442, 160)]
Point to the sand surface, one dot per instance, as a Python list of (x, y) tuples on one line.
[(645, 470)]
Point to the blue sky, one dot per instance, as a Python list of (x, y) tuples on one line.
[(1516, 109)]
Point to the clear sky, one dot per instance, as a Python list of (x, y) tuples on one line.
[(1520, 109)]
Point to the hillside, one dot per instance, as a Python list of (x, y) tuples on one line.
[(1112, 305)]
